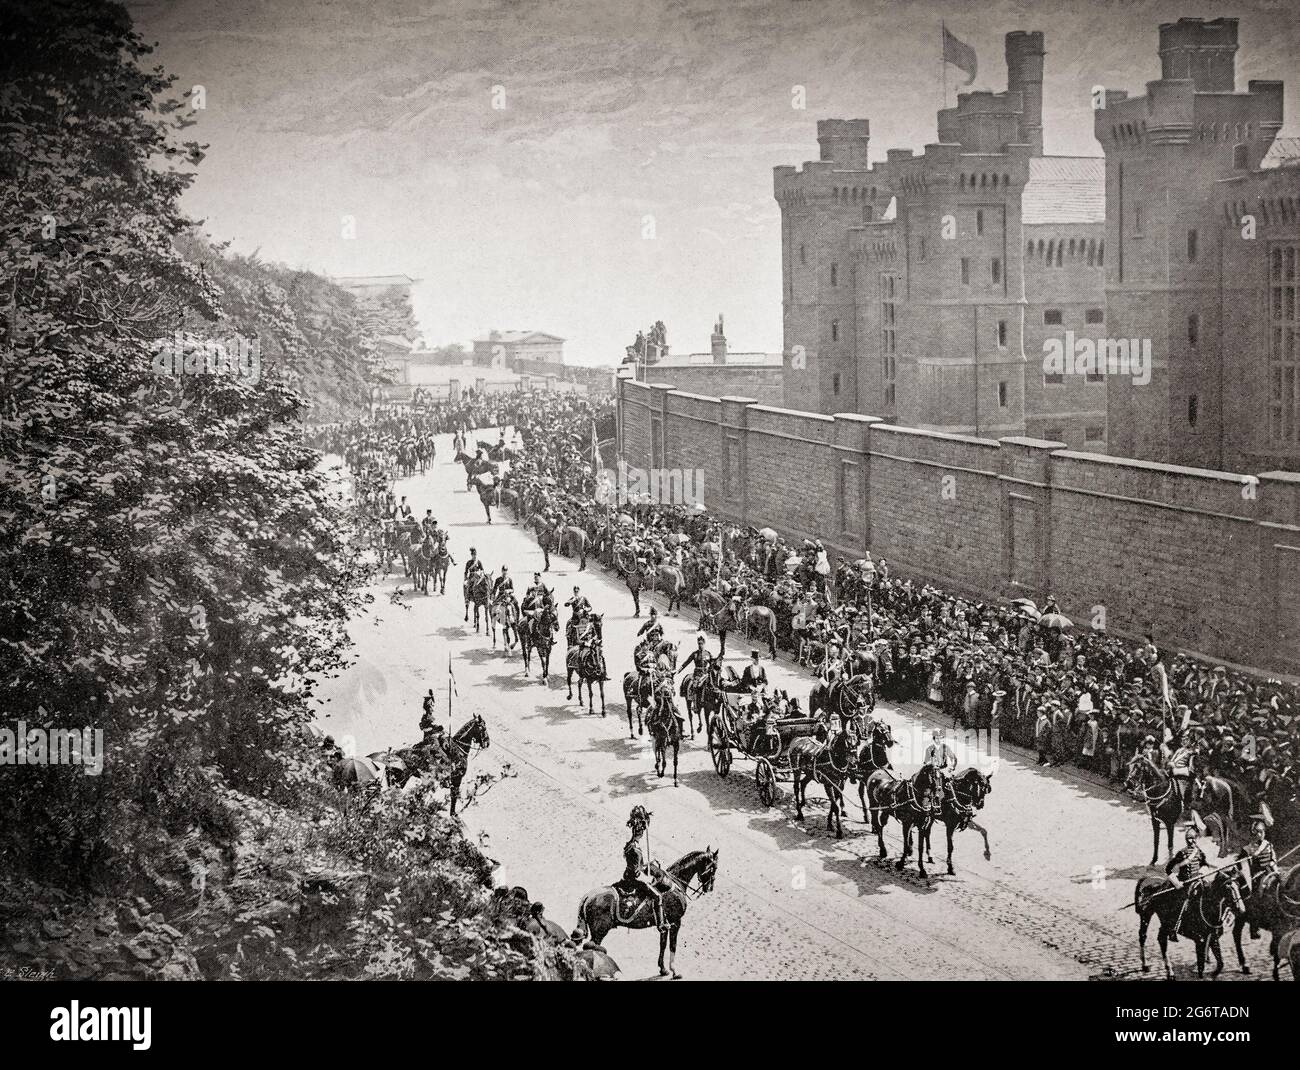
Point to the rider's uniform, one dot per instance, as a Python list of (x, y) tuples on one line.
[(942, 757), (1263, 859), (1180, 768), (503, 588), (1185, 867), (634, 865)]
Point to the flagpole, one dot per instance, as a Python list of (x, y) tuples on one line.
[(943, 62), (449, 724)]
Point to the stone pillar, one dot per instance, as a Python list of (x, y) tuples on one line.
[(1277, 621), (851, 457), (1026, 479), (733, 442)]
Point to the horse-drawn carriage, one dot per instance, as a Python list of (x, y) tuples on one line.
[(741, 728)]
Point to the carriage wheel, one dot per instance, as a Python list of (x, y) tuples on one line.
[(719, 753), (765, 778)]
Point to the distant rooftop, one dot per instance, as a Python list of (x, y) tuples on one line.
[(1065, 189), (517, 336)]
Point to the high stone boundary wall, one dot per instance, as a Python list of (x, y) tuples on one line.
[(1208, 562)]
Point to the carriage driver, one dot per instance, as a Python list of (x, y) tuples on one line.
[(940, 755), (635, 864)]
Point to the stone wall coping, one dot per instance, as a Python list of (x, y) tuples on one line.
[(698, 397), (1281, 477), (943, 436), (1035, 443), (1153, 466), (794, 412), (739, 400), (856, 417)]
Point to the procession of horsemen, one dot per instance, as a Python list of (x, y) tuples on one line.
[(1205, 750)]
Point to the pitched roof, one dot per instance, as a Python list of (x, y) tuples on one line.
[(1284, 152), (1065, 189), (519, 336)]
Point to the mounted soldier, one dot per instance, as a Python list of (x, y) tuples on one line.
[(579, 607), (1182, 769), (1184, 872), (942, 757), (635, 864), (503, 589), (700, 661)]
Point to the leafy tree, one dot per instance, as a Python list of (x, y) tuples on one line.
[(174, 568)]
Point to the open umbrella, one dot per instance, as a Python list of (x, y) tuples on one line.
[(358, 770), (625, 520), (1028, 602), (388, 759), (768, 534), (1055, 621), (602, 966), (681, 538)]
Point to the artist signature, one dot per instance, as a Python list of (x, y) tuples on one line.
[(26, 973)]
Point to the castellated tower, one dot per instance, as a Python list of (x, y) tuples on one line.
[(1164, 153), (904, 281)]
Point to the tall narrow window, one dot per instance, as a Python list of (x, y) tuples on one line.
[(835, 383), (803, 254), (1002, 333), (1193, 329), (1191, 246), (835, 330), (965, 271), (1193, 410), (835, 274), (1002, 394), (1284, 344), (979, 220), (995, 271), (888, 338)]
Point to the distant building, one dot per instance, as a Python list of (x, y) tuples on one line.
[(720, 371), (923, 289), (510, 349), (1203, 233)]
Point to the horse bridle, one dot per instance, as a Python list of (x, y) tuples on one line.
[(1141, 793)]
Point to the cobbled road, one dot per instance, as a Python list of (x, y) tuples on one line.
[(791, 902)]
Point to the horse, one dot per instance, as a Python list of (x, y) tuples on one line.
[(849, 697), (670, 578), (1201, 921), (873, 755), (573, 538), (422, 559), (1214, 803), (627, 566), (503, 613), (1273, 904), (1151, 786), (912, 802), (812, 756), (711, 695), (600, 911), (589, 664), (477, 594), (442, 560), (453, 754), (665, 726), (537, 632), (962, 796), (638, 687)]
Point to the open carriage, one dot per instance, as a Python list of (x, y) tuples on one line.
[(738, 731)]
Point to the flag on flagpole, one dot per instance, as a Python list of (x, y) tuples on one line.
[(960, 55), (595, 448), (451, 678)]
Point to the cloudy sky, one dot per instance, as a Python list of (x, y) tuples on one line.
[(617, 114)]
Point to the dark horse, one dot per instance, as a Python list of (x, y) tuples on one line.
[(664, 724), (1201, 920), (812, 757), (603, 910), (708, 699), (477, 589), (589, 663), (850, 697), (913, 802), (638, 689), (1273, 904), (962, 796), (1152, 787), (537, 632), (450, 757)]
